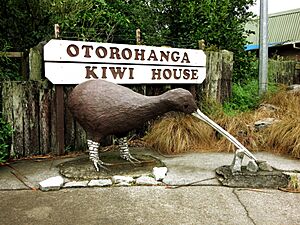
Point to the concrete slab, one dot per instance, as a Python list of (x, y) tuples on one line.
[(150, 205), (124, 205), (186, 169), (208, 204), (30, 172), (269, 207), (196, 168)]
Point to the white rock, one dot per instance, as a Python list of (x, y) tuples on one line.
[(146, 180), (159, 173), (252, 166), (52, 183), (76, 184), (294, 88), (118, 179), (123, 184), (100, 183), (261, 124)]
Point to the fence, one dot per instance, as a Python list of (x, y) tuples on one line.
[(30, 106), (284, 72)]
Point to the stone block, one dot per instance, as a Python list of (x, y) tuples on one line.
[(52, 183), (119, 179), (159, 173), (76, 184), (100, 183), (146, 180)]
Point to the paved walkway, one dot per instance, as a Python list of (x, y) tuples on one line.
[(205, 202)]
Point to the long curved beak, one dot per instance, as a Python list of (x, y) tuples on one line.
[(200, 115)]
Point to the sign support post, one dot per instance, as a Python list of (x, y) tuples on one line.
[(60, 112)]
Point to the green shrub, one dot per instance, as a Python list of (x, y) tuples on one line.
[(245, 97), (5, 139), (9, 69)]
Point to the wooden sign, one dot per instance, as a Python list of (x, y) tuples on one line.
[(73, 62)]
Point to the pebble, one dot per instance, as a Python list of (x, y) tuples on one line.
[(146, 180), (123, 184), (51, 184), (100, 183), (263, 165), (159, 173), (76, 184), (120, 179), (252, 166)]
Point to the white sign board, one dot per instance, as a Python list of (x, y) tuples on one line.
[(73, 62)]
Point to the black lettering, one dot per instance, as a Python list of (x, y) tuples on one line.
[(186, 74), (156, 72), (141, 54), (103, 52), (194, 75), (87, 50), (185, 58), (126, 53), (152, 56), (175, 56), (71, 49), (175, 74), (116, 71), (104, 72), (167, 74), (90, 72), (131, 73), (164, 55), (114, 53)]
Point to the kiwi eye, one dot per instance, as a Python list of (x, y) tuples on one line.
[(185, 106)]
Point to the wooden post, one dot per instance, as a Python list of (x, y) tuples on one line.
[(23, 58), (201, 44), (60, 112), (24, 66), (138, 36), (56, 31), (138, 42), (60, 122), (193, 87)]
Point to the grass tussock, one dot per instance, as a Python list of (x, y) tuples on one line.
[(241, 128), (179, 133), (287, 102), (284, 137)]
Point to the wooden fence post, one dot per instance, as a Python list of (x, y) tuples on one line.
[(36, 62), (60, 111), (60, 123), (193, 87), (219, 66)]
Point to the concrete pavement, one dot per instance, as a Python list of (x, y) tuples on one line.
[(205, 202)]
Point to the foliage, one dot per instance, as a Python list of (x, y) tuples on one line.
[(176, 23), (9, 69), (5, 138), (97, 20), (219, 22), (25, 23), (245, 97)]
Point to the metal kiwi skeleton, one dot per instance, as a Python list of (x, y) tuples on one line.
[(72, 62)]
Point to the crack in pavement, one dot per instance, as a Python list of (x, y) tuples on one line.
[(242, 204)]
